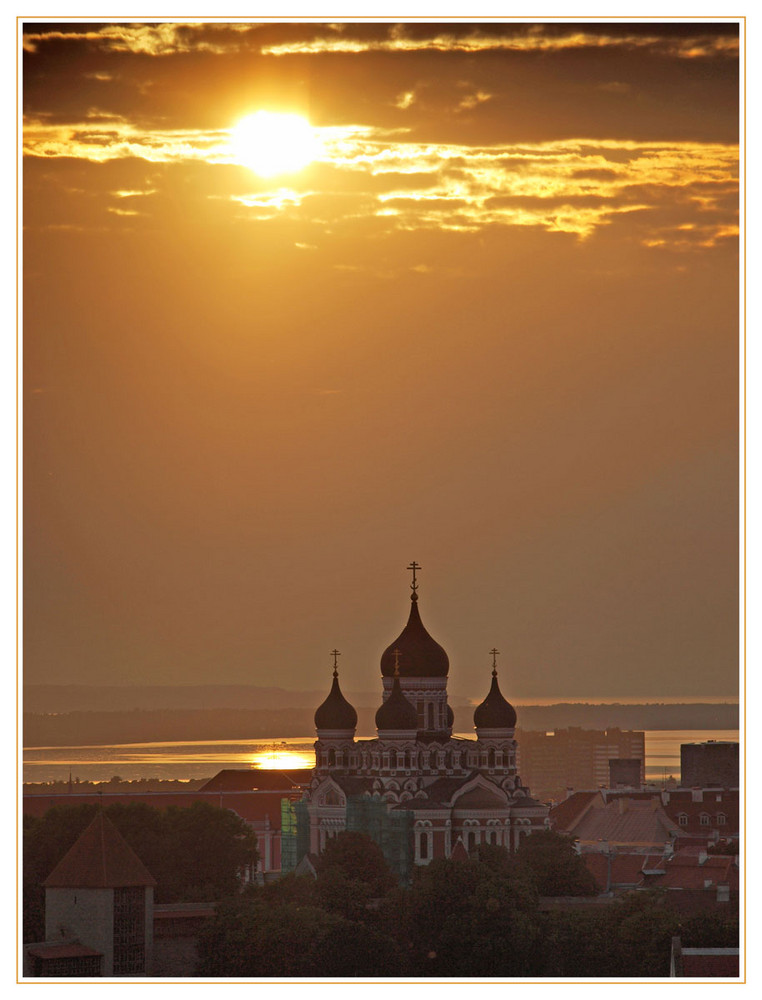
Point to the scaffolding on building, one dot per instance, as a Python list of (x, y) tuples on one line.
[(391, 830), (295, 833)]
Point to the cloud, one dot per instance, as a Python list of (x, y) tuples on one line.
[(688, 41), (471, 101), (534, 39), (573, 186), (148, 39)]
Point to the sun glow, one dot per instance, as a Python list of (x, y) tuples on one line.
[(271, 143), (282, 760)]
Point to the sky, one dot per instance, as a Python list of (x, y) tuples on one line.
[(477, 307)]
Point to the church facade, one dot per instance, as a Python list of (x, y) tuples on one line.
[(417, 789)]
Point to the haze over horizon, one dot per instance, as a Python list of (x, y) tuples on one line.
[(482, 314)]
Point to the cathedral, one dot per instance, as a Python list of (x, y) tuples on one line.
[(419, 791)]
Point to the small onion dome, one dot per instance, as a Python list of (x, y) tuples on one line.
[(422, 656), (335, 712), (396, 712), (495, 712)]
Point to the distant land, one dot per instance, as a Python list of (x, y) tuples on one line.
[(43, 698), (70, 716)]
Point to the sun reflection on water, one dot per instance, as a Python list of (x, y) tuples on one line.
[(283, 760)]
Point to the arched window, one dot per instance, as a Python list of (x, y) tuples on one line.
[(682, 819), (430, 715), (704, 819), (331, 757), (424, 848), (471, 833), (491, 757), (721, 819)]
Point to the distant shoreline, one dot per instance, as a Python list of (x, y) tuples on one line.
[(99, 728)]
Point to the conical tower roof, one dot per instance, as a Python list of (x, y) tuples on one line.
[(99, 859), (421, 656), (495, 712), (335, 712)]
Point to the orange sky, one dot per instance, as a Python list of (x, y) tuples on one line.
[(491, 327)]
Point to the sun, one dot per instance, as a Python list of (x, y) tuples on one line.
[(271, 143)]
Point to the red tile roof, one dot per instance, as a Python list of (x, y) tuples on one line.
[(50, 952), (100, 858), (626, 869), (459, 852), (699, 963), (232, 780), (686, 871), (626, 821), (564, 815)]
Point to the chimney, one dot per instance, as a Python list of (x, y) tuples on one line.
[(702, 857)]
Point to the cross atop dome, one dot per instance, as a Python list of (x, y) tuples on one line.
[(414, 586), (336, 713), (494, 653)]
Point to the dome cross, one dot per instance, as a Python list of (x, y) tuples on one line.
[(335, 654), (494, 653)]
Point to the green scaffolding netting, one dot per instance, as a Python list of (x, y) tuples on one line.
[(392, 831)]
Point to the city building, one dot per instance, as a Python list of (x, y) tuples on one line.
[(713, 764), (553, 762), (416, 789), (704, 815)]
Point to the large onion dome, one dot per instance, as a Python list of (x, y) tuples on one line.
[(421, 655), (396, 712), (335, 713), (495, 712)]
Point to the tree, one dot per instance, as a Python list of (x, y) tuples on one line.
[(250, 937), (474, 918), (357, 858), (210, 847), (556, 868)]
